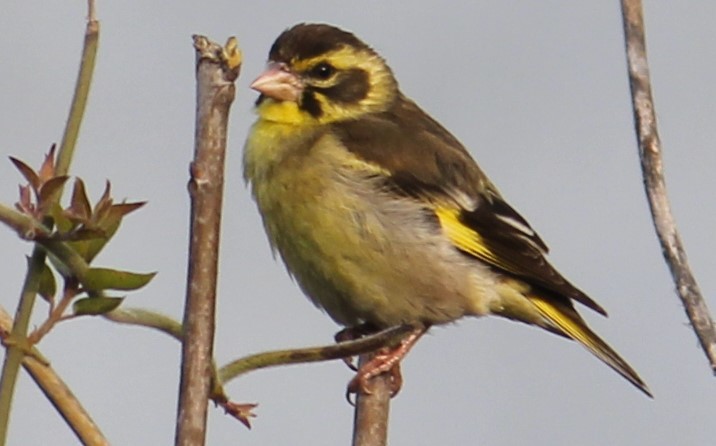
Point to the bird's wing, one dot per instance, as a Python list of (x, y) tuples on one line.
[(425, 161)]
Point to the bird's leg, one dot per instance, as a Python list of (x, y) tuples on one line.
[(386, 359), (351, 334)]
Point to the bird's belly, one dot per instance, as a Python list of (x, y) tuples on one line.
[(362, 259)]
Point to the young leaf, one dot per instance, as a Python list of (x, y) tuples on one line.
[(122, 209), (46, 287), (95, 305), (108, 220), (47, 170), (25, 204), (104, 278), (104, 204), (80, 208), (81, 247), (242, 412), (27, 172), (51, 186), (90, 248), (82, 234), (63, 224)]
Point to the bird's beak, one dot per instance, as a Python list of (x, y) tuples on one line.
[(278, 82)]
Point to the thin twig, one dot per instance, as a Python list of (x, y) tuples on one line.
[(215, 92), (59, 394), (82, 88), (16, 351), (57, 314), (654, 183), (25, 226), (241, 366), (146, 318)]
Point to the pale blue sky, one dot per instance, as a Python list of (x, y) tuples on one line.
[(536, 90)]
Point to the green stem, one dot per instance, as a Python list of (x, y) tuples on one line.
[(23, 224), (16, 351), (79, 100), (68, 257), (146, 318), (18, 336)]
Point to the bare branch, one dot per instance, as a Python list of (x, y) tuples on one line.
[(217, 69), (654, 183)]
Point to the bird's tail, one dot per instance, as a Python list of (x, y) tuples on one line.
[(566, 320)]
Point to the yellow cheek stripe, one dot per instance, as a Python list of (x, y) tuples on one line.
[(342, 58), (381, 91), (466, 238)]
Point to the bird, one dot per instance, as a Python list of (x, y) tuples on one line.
[(382, 216)]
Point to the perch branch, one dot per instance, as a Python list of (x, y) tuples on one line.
[(217, 69), (370, 421)]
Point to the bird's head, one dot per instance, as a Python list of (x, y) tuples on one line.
[(321, 74)]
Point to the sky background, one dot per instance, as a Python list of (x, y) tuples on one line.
[(537, 91)]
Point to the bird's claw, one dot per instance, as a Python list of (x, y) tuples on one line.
[(385, 360), (351, 334), (361, 381)]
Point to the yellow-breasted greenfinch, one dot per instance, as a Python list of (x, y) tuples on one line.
[(381, 215)]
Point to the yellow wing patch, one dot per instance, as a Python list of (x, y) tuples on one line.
[(355, 163), (466, 238), (575, 328)]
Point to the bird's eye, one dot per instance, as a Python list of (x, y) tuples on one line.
[(323, 71)]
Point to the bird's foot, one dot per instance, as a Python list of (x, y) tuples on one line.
[(385, 360), (351, 334)]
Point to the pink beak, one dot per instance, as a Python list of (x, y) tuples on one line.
[(278, 82)]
